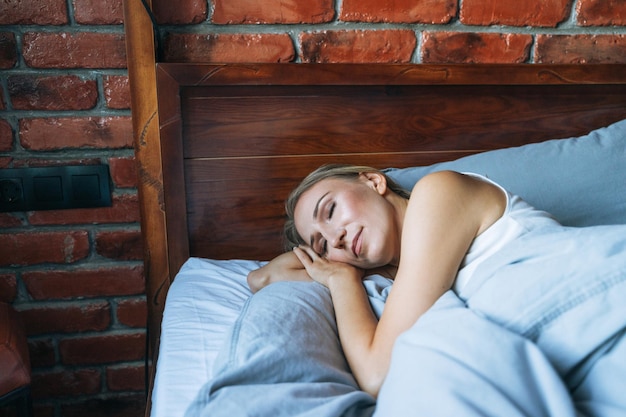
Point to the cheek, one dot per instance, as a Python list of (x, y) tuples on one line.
[(335, 255), (383, 237)]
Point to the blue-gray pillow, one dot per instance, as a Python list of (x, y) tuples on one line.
[(283, 358), (581, 181)]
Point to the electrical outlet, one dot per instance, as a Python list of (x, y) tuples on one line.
[(54, 188), (11, 191)]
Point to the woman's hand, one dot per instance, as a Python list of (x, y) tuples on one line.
[(322, 270), (285, 267)]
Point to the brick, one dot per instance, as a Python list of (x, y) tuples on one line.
[(123, 245), (41, 351), (124, 209), (8, 50), (2, 103), (99, 12), (357, 46), (601, 12), (103, 349), (8, 288), (475, 48), (33, 12), (133, 312), (5, 161), (10, 220), (61, 318), (74, 50), (32, 248), (123, 172), (66, 383), (127, 405), (546, 13), (68, 92), (190, 47), (398, 11), (6, 136), (125, 378), (580, 49), (180, 12), (117, 91), (84, 283), (273, 11), (49, 134)]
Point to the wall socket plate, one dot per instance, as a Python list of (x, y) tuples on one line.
[(54, 188)]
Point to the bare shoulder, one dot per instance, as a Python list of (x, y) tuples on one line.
[(450, 180), (482, 199), (456, 183)]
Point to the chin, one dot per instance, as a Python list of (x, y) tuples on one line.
[(375, 264)]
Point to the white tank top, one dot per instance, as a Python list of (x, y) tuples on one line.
[(518, 218)]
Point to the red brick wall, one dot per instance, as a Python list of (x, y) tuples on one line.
[(414, 31), (76, 275)]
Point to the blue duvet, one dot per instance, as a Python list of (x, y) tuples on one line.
[(538, 331)]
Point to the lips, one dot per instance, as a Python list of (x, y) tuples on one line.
[(356, 244)]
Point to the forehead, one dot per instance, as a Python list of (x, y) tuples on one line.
[(310, 198)]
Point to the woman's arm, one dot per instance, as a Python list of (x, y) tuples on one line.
[(445, 213), (285, 267)]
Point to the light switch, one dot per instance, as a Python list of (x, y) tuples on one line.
[(48, 188), (54, 188), (86, 187)]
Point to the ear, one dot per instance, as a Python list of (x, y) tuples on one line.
[(375, 180)]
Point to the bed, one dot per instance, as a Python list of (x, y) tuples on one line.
[(218, 148)]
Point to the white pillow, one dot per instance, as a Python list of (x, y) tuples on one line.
[(202, 303)]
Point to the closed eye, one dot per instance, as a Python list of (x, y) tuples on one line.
[(324, 250), (324, 243)]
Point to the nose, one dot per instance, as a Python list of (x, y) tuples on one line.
[(337, 238)]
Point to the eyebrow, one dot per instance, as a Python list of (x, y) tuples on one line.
[(317, 206), (315, 210)]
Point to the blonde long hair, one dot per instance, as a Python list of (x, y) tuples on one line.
[(343, 171)]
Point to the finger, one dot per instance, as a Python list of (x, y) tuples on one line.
[(303, 256), (312, 254)]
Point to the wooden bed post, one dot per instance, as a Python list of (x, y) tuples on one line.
[(140, 47)]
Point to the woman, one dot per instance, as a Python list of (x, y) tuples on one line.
[(344, 220)]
